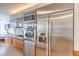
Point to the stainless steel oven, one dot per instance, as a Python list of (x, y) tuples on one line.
[(29, 34)]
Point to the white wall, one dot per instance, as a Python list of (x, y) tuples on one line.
[(4, 19), (76, 26)]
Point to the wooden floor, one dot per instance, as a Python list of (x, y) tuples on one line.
[(7, 50)]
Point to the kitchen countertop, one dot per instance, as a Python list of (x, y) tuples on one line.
[(38, 44), (16, 37)]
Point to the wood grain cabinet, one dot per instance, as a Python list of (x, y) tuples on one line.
[(8, 40), (14, 43), (17, 43)]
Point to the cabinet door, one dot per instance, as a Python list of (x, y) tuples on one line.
[(14, 42), (19, 43), (8, 40)]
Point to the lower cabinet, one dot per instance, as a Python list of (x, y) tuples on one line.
[(14, 42), (17, 43), (8, 40)]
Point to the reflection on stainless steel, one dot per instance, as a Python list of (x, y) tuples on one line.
[(29, 48), (61, 46)]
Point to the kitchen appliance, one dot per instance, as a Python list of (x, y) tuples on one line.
[(61, 33), (55, 30), (52, 33), (42, 35), (29, 34), (55, 36)]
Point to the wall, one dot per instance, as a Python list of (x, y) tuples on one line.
[(76, 26), (4, 19)]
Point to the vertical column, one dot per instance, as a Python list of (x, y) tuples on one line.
[(76, 27)]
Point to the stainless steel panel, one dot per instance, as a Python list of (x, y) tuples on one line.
[(42, 36), (61, 33), (29, 33), (29, 48)]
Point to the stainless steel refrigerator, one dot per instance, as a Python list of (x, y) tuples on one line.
[(55, 30), (52, 34)]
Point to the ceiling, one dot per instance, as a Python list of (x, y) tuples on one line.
[(54, 7), (10, 8)]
